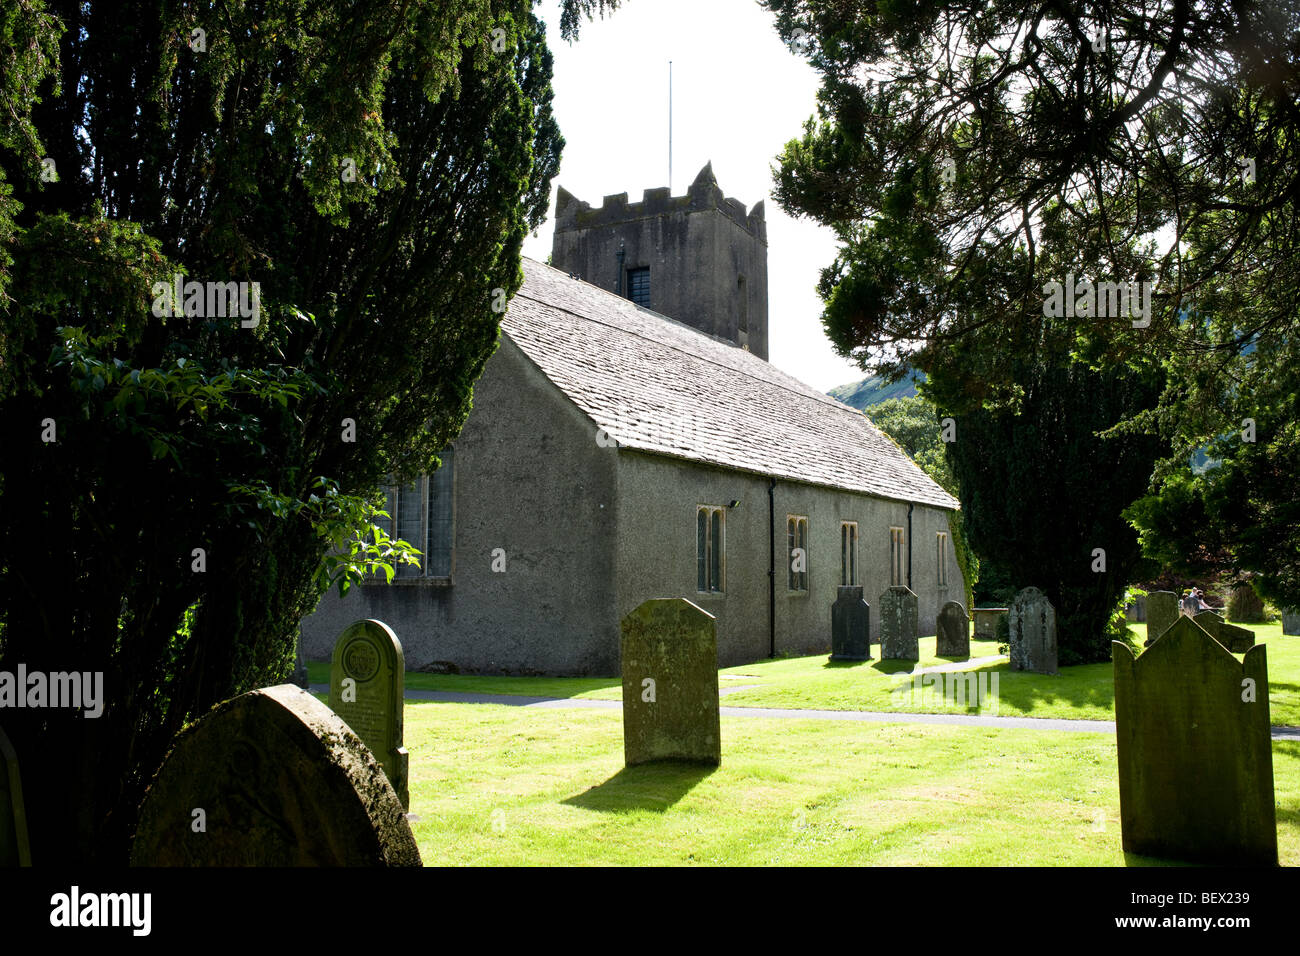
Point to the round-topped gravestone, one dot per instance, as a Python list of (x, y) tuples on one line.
[(367, 689), (952, 628), (272, 778)]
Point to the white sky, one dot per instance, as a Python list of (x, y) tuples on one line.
[(739, 95)]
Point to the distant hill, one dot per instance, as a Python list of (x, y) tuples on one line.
[(872, 391)]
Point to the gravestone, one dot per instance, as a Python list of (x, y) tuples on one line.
[(1213, 624), (899, 626), (1033, 633), (1194, 749), (1136, 612), (953, 629), (850, 626), (1291, 621), (299, 678), (670, 684), (367, 689), (272, 778), (1236, 639), (986, 621), (14, 847), (1162, 611)]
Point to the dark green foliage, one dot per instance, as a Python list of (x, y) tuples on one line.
[(178, 433), (1041, 491)]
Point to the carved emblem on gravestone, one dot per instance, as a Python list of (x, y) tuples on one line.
[(953, 631), (1195, 750), (673, 644), (850, 626), (369, 654), (1033, 633), (280, 781), (899, 625)]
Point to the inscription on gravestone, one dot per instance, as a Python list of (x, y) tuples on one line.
[(272, 778), (1195, 750), (850, 626), (953, 628), (899, 625), (1162, 611), (1033, 633), (670, 684), (14, 848), (367, 689)]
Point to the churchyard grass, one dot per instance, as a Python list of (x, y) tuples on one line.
[(1077, 693), (498, 785)]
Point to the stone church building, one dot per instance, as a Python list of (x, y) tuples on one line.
[(615, 454)]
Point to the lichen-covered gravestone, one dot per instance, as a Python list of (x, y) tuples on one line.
[(670, 684), (1234, 638), (1162, 611), (14, 848), (1033, 633), (899, 625), (953, 628), (850, 626), (1194, 749), (367, 689), (272, 778), (1291, 621)]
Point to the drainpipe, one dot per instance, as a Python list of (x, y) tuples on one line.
[(771, 570), (618, 282), (909, 546)]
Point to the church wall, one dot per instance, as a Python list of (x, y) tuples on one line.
[(657, 553), (532, 480)]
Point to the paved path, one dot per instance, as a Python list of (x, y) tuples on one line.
[(868, 716)]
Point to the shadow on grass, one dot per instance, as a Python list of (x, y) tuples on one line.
[(649, 786), (837, 665)]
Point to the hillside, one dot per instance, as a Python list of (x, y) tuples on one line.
[(871, 391)]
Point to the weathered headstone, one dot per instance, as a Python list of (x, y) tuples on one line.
[(1136, 613), (850, 626), (953, 629), (1212, 624), (14, 848), (986, 621), (670, 684), (1194, 748), (1236, 639), (272, 778), (899, 625), (367, 689), (1291, 621), (1162, 611), (1033, 633)]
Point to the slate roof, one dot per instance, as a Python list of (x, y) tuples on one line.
[(659, 386)]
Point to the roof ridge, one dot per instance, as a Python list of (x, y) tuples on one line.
[(811, 393)]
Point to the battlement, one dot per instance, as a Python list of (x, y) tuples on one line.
[(703, 194)]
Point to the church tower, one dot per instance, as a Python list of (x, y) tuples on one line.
[(699, 258)]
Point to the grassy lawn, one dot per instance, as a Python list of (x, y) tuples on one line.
[(497, 785), (1083, 692)]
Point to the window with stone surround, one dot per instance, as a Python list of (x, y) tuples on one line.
[(896, 558), (710, 560), (796, 527), (421, 512), (941, 551), (848, 553)]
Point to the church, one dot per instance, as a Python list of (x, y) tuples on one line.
[(629, 440)]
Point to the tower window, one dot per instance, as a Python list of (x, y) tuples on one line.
[(638, 286)]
